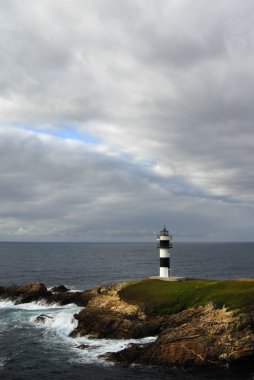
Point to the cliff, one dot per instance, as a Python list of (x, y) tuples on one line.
[(198, 322)]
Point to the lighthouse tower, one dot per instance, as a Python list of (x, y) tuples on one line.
[(164, 244)]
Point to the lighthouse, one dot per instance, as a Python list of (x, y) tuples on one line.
[(164, 244)]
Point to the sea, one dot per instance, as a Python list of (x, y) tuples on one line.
[(32, 351)]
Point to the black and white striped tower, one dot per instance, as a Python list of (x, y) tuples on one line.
[(164, 244)]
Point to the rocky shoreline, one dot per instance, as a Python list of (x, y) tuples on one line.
[(200, 336)]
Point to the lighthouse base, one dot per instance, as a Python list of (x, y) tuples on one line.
[(164, 272), (171, 278)]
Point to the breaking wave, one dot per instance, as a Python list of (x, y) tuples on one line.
[(95, 348), (56, 323), (87, 350), (36, 305), (63, 322)]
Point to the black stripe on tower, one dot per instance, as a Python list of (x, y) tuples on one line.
[(164, 243), (164, 262)]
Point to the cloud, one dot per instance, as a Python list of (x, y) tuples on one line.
[(117, 117)]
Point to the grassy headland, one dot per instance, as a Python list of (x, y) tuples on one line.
[(162, 297)]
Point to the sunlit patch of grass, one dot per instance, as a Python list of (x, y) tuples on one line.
[(163, 297)]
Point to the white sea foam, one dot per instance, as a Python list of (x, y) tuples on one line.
[(3, 360), (36, 305), (70, 287), (97, 347), (62, 322), (7, 304)]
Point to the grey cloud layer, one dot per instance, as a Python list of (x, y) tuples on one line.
[(54, 189), (167, 88)]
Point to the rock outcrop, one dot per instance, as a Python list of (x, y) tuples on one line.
[(24, 293), (107, 316), (59, 289), (38, 292), (196, 337), (201, 336), (42, 318)]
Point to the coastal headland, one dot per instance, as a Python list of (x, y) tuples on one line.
[(197, 322)]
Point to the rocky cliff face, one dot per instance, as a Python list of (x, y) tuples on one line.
[(194, 337), (107, 316)]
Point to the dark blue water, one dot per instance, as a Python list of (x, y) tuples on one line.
[(29, 351)]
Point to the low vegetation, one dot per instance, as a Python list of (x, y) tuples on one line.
[(162, 297)]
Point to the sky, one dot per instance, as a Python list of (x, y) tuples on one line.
[(120, 117)]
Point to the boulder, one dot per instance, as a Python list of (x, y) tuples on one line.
[(65, 298), (24, 293), (87, 347), (33, 288), (59, 289), (42, 318)]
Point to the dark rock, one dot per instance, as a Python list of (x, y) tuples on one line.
[(101, 323), (83, 346), (24, 293), (42, 318), (65, 298), (35, 288), (87, 347), (128, 356), (59, 289), (38, 292)]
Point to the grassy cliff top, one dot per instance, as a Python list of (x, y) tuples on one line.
[(162, 297)]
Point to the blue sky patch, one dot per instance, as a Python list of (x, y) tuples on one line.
[(73, 135), (64, 131)]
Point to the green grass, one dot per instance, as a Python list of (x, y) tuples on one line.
[(161, 297)]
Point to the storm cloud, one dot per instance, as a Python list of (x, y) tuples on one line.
[(119, 117)]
